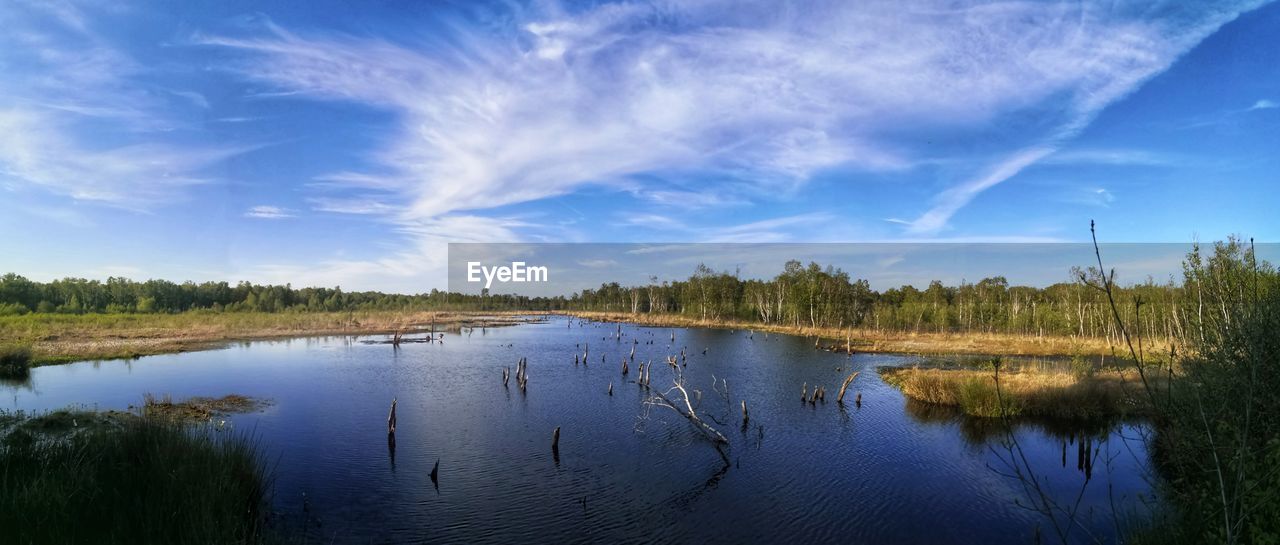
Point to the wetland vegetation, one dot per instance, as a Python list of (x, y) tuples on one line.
[(1198, 367), (76, 476), (1026, 391)]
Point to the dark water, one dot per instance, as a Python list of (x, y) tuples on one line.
[(888, 472)]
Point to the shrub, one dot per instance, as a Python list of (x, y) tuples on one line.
[(13, 309), (15, 360)]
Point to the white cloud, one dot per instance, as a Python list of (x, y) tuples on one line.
[(424, 255), (37, 149), (1264, 104), (1114, 157), (1104, 197), (359, 205), (269, 212), (754, 92), (690, 200), (653, 221), (769, 230), (80, 120), (955, 198), (597, 263)]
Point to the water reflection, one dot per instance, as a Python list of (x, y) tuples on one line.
[(980, 433), (877, 469), (24, 383)]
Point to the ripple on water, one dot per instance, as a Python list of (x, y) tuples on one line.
[(879, 473)]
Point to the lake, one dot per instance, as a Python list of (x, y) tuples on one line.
[(889, 471)]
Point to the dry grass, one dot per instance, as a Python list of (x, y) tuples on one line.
[(869, 340), (1057, 394), (60, 338)]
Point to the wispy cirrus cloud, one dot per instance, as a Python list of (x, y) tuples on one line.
[(952, 200), (1229, 116), (1135, 157), (39, 150), (755, 92), (422, 253), (1264, 104), (690, 200), (356, 205), (778, 229), (81, 118), (1097, 63), (269, 212)]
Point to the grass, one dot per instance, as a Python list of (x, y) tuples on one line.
[(886, 341), (198, 408), (84, 477), (63, 338), (15, 360), (1029, 391)]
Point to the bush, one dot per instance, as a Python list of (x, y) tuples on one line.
[(1217, 440), (1081, 367), (978, 397), (15, 360)]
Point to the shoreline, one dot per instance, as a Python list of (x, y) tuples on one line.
[(61, 339), (58, 339), (892, 342)]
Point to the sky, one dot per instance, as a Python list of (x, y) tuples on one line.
[(347, 143)]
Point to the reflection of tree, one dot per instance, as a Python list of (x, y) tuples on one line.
[(979, 432), (23, 383)]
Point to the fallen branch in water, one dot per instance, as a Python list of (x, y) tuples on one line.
[(845, 386), (684, 407)]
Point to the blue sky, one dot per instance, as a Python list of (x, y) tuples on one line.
[(343, 143)]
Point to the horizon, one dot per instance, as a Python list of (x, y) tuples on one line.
[(349, 145), (885, 266)]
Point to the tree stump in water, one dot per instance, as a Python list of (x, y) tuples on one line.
[(391, 418)]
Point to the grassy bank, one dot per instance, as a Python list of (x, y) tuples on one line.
[(870, 340), (1023, 392), (82, 477), (60, 338)]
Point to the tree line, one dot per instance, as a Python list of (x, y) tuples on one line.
[(801, 296), (816, 297), (19, 295)]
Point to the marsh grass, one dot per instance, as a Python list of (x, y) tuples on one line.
[(1029, 391), (83, 477), (15, 360), (890, 341), (62, 338), (198, 408)]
